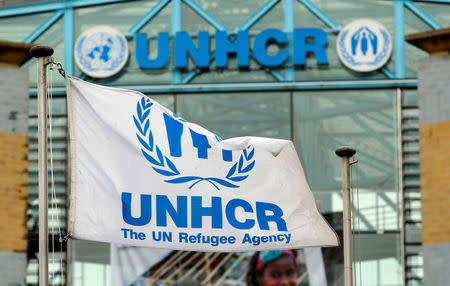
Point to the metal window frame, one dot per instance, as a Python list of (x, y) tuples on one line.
[(65, 9), (268, 86)]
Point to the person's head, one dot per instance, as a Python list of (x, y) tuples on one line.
[(274, 267)]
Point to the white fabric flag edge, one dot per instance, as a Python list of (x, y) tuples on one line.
[(72, 152)]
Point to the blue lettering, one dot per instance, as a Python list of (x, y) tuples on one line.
[(132, 234), (265, 213), (230, 211), (227, 155), (146, 210), (200, 142), (246, 239), (162, 235), (239, 47), (164, 207), (125, 231), (142, 51), (198, 212), (184, 45), (263, 218), (174, 130), (260, 45), (317, 47), (183, 237), (305, 40)]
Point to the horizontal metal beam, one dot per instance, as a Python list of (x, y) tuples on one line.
[(266, 86), (31, 8), (51, 6), (434, 1), (43, 27), (423, 15)]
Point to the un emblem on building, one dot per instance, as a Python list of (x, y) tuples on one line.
[(364, 45), (101, 51)]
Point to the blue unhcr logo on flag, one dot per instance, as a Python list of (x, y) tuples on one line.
[(163, 165), (364, 45)]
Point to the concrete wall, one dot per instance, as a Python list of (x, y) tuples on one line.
[(13, 175), (13, 100), (434, 136), (12, 270), (13, 192)]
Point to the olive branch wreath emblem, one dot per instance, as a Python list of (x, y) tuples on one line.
[(165, 167), (378, 59)]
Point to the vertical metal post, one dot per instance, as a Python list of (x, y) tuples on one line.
[(399, 39), (42, 53), (176, 27), (289, 29), (68, 40), (400, 183), (346, 153)]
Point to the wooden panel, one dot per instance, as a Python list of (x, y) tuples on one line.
[(435, 182), (13, 191)]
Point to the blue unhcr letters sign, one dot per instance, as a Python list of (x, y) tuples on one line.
[(305, 40)]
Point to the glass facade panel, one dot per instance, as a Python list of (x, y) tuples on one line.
[(342, 13), (53, 37), (366, 120), (376, 260), (412, 53), (17, 28), (231, 13), (87, 274), (233, 114), (90, 263), (361, 118), (113, 15), (166, 100), (438, 11)]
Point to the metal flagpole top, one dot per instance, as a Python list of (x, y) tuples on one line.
[(345, 151), (40, 51)]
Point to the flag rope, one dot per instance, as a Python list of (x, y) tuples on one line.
[(353, 219), (356, 219), (359, 226)]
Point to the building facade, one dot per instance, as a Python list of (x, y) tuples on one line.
[(293, 84)]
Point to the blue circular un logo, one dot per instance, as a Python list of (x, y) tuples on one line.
[(101, 51), (364, 45)]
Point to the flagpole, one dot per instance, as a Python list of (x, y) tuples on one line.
[(42, 53), (346, 152)]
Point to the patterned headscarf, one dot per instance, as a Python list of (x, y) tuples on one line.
[(268, 256)]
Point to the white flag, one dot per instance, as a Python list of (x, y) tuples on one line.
[(143, 176)]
